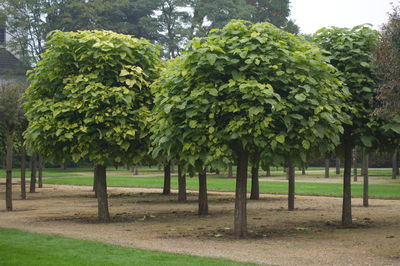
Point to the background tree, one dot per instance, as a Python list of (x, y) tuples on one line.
[(276, 12), (351, 52), (174, 136), (26, 24), (387, 59), (95, 107), (11, 112)]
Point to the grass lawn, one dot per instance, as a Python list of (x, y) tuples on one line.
[(224, 184), (23, 248), (123, 177)]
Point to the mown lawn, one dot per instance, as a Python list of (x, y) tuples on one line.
[(23, 248), (224, 184), (122, 177)]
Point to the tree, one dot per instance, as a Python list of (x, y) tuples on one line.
[(174, 140), (351, 52), (133, 17), (11, 112), (27, 27), (171, 26), (89, 98), (246, 88), (387, 59), (275, 12), (30, 21)]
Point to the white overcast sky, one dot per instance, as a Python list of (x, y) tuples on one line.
[(312, 15)]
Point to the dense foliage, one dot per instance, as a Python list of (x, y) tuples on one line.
[(89, 96), (250, 85), (170, 23), (351, 52), (388, 62)]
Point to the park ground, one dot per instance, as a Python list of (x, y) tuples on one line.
[(143, 218)]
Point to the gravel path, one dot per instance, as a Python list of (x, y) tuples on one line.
[(142, 218)]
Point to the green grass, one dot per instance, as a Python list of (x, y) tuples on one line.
[(23, 248), (224, 184), (123, 177)]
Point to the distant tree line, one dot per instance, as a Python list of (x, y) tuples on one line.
[(169, 23)]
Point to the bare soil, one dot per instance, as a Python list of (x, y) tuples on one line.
[(143, 218)]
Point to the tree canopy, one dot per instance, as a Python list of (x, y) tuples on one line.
[(89, 96), (388, 62)]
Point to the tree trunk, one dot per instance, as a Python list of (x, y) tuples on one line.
[(394, 165), (167, 179), (255, 186), (217, 172), (62, 167), (337, 166), (23, 172), (230, 174), (102, 198), (203, 200), (240, 223), (327, 168), (303, 170), (95, 181), (40, 171), (172, 166), (33, 165), (398, 164), (291, 176), (365, 175), (9, 161), (136, 169), (355, 165), (347, 220), (268, 171), (181, 185)]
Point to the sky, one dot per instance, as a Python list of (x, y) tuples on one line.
[(312, 15)]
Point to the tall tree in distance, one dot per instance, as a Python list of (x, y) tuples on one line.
[(26, 24), (172, 20), (274, 11), (387, 59)]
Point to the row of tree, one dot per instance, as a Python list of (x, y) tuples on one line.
[(169, 23), (244, 94)]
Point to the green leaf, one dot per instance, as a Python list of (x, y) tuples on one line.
[(167, 108), (395, 128), (124, 72), (192, 124), (300, 97), (211, 58), (367, 141), (255, 110), (306, 144), (213, 92), (280, 139)]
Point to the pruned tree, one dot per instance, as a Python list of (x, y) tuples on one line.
[(247, 88), (89, 98), (351, 52), (11, 113)]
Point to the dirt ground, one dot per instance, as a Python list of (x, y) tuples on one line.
[(143, 218)]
